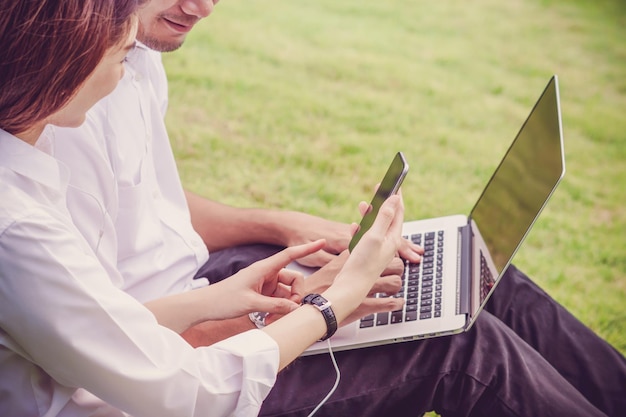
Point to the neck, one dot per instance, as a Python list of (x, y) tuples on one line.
[(31, 135)]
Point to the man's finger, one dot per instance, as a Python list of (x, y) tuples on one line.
[(387, 285), (395, 267), (376, 305)]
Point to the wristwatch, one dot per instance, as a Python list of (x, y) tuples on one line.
[(258, 318), (324, 306)]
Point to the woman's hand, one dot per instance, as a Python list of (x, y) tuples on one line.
[(368, 260), (407, 249), (299, 329), (265, 285)]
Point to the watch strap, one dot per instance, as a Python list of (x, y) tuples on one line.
[(324, 306)]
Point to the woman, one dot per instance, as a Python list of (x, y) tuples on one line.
[(73, 344)]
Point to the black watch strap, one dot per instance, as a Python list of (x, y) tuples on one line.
[(324, 306)]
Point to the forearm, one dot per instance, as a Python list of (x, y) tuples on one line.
[(181, 311), (210, 332), (222, 226), (301, 328), (187, 314)]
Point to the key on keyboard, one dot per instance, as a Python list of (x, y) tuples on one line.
[(421, 285)]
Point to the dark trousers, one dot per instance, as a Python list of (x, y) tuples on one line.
[(525, 356)]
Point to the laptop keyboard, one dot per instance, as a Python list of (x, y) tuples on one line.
[(421, 285), (486, 278)]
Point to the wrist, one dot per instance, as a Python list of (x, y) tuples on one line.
[(345, 298), (325, 308), (270, 226)]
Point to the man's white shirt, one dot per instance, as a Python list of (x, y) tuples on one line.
[(129, 183)]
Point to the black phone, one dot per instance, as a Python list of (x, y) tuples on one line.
[(389, 186)]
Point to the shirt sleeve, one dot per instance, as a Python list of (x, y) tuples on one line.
[(58, 304)]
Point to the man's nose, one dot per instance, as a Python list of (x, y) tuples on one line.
[(198, 8)]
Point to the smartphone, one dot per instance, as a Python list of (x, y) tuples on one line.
[(389, 186)]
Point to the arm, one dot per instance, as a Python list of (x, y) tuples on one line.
[(222, 226), (82, 331), (298, 330), (347, 291), (213, 331), (263, 286), (390, 282)]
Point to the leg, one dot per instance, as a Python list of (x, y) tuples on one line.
[(487, 371), (588, 362), (226, 262)]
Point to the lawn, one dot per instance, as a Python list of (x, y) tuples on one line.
[(301, 105)]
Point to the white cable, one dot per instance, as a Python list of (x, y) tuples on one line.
[(332, 390)]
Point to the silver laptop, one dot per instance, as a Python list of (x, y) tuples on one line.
[(466, 256)]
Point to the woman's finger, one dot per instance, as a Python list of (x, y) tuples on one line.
[(387, 218), (291, 285), (286, 256)]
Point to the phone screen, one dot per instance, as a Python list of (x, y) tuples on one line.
[(388, 186)]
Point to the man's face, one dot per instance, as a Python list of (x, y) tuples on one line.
[(164, 24)]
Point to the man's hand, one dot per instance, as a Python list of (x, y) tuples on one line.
[(304, 228)]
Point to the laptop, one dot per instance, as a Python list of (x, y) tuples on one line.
[(466, 256)]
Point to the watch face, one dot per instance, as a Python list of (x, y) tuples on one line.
[(258, 318)]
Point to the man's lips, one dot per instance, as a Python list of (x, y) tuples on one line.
[(178, 26)]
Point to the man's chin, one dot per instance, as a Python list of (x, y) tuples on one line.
[(159, 44)]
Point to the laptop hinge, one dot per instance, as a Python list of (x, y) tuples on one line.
[(464, 273)]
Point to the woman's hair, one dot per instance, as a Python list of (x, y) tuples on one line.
[(48, 48)]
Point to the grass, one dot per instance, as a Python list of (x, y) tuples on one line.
[(301, 105)]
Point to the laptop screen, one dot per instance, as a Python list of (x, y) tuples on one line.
[(522, 184)]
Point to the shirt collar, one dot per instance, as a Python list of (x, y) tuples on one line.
[(142, 46), (33, 161)]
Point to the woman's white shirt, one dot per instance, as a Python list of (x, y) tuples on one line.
[(65, 325)]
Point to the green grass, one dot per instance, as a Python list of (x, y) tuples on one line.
[(301, 105)]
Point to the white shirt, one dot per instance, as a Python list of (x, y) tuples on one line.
[(64, 324), (126, 197)]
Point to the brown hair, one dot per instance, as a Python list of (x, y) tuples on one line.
[(48, 48)]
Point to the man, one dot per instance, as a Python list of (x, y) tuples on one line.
[(526, 355)]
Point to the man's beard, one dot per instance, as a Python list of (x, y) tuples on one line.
[(158, 44)]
